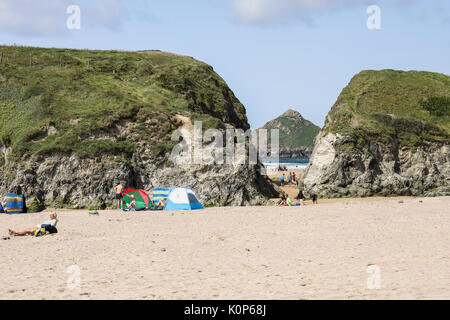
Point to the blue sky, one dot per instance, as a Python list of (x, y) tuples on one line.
[(274, 54)]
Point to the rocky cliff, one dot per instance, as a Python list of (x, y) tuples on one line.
[(296, 134), (387, 134), (75, 122)]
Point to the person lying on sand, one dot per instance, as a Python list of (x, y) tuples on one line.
[(49, 227)]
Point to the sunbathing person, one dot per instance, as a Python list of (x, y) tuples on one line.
[(132, 204), (49, 227), (161, 203)]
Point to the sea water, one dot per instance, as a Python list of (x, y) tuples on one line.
[(290, 164)]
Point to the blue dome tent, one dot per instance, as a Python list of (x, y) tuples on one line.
[(182, 199)]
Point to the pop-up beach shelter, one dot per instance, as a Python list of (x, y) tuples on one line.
[(14, 203), (182, 199), (160, 194), (142, 198)]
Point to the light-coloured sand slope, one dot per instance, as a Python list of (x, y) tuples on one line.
[(236, 253)]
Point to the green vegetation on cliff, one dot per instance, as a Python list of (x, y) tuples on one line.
[(413, 106), (63, 100), (295, 131)]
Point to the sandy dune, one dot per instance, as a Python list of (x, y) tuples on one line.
[(306, 252)]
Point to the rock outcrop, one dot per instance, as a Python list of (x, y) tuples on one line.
[(76, 122), (388, 134), (296, 134), (296, 153)]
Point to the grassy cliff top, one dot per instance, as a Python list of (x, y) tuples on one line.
[(64, 100), (295, 131), (413, 105)]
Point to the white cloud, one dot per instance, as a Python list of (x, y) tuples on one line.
[(48, 17), (269, 11)]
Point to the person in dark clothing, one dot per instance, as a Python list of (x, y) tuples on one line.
[(282, 201), (300, 197), (314, 198)]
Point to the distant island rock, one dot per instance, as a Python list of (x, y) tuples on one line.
[(387, 134), (296, 134)]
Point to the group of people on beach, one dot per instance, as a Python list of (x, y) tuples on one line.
[(286, 201), (290, 178), (49, 227), (120, 188)]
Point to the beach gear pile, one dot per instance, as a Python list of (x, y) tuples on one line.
[(178, 198), (143, 201)]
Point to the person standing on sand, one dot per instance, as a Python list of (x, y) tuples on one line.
[(282, 179), (289, 178), (293, 177), (300, 196), (314, 198), (119, 190)]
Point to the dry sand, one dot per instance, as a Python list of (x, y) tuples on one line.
[(310, 252)]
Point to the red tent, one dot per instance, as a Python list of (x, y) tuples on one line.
[(142, 198)]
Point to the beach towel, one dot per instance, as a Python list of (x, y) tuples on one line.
[(160, 194), (14, 203)]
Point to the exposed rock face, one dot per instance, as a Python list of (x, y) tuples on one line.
[(296, 153), (395, 153), (296, 134), (378, 169), (71, 182), (69, 133)]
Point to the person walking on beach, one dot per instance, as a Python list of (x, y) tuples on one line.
[(293, 177), (289, 178), (282, 179), (119, 190), (49, 227)]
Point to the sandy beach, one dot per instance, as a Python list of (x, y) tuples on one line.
[(310, 252)]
